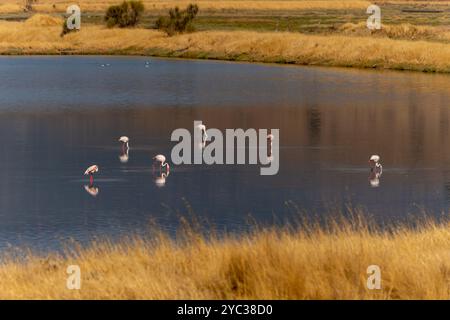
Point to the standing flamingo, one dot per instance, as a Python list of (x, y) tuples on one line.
[(375, 164), (125, 140), (376, 169), (162, 162), (90, 171)]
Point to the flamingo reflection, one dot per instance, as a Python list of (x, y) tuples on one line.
[(92, 190), (160, 181), (124, 156)]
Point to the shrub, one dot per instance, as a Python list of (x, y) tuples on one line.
[(178, 21), (124, 15)]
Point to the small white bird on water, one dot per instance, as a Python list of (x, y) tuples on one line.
[(90, 171), (162, 162)]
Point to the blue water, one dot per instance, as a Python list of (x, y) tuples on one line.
[(58, 115)]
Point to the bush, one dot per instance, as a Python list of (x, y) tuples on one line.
[(178, 21), (124, 15)]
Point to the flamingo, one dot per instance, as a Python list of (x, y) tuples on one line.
[(202, 128), (125, 140), (375, 164), (90, 171), (162, 162)]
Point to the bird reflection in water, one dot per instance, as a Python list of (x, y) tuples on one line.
[(123, 157), (160, 180), (92, 190)]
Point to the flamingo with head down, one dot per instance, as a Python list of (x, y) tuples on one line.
[(125, 142), (162, 162), (90, 171)]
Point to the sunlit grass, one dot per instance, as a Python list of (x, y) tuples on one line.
[(49, 6), (369, 51), (308, 262)]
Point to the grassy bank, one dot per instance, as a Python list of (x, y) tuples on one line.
[(304, 32), (308, 263), (41, 36)]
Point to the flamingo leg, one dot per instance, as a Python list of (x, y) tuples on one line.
[(91, 179)]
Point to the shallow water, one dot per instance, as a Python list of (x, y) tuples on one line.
[(58, 115)]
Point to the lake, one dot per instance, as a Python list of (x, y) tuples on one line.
[(58, 115)]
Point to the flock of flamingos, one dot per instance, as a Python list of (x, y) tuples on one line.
[(164, 167), (376, 169)]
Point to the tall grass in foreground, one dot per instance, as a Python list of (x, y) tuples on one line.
[(309, 262)]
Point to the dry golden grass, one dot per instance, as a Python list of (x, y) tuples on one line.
[(102, 5), (10, 8), (308, 263), (43, 20), (283, 47), (400, 31)]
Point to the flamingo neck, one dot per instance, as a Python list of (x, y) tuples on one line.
[(166, 166)]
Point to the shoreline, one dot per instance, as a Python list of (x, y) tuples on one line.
[(243, 46)]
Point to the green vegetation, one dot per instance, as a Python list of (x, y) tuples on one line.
[(178, 21), (125, 15)]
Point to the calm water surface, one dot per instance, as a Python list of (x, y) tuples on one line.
[(58, 115)]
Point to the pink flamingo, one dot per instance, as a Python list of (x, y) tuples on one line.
[(90, 171), (125, 143), (162, 162)]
